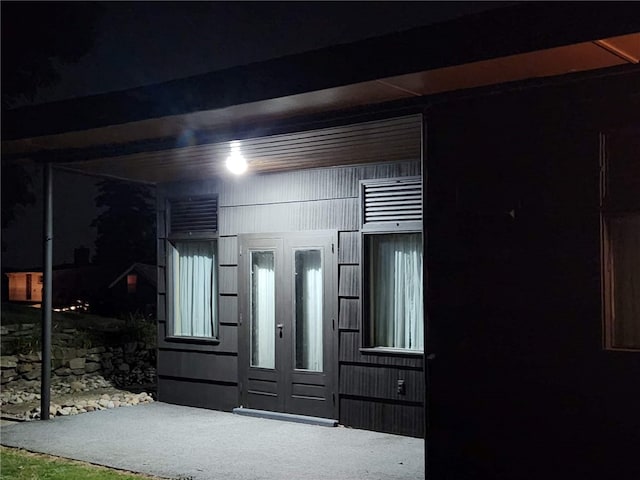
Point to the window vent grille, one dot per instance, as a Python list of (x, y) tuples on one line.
[(193, 214), (392, 201)]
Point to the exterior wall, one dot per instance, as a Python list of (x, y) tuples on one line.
[(206, 375), (18, 287), (520, 386)]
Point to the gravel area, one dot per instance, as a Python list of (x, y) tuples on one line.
[(21, 400)]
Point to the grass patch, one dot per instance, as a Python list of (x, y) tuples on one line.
[(18, 464), (13, 313)]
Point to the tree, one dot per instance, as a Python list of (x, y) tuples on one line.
[(126, 228), (16, 191), (36, 36)]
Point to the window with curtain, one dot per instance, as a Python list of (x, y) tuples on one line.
[(263, 309), (392, 263), (194, 288), (395, 290), (308, 309), (621, 239)]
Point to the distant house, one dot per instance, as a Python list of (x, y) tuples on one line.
[(25, 286), (134, 290), (102, 289)]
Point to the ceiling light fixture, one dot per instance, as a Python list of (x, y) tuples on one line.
[(236, 163)]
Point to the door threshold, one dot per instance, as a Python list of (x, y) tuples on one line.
[(287, 417)]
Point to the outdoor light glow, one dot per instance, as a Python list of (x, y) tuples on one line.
[(236, 163)]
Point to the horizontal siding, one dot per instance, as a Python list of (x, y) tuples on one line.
[(198, 394), (383, 416), (198, 366)]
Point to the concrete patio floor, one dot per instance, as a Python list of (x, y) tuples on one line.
[(190, 443)]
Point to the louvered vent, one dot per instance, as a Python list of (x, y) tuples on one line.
[(194, 215), (392, 201)]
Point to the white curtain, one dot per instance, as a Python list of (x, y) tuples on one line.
[(311, 321), (624, 235), (396, 289), (194, 284), (263, 310)]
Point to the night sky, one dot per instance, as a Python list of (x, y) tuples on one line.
[(141, 43)]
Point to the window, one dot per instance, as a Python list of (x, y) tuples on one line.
[(392, 264), (194, 288), (192, 266), (395, 290), (620, 215), (132, 283)]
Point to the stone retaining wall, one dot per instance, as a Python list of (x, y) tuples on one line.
[(74, 355)]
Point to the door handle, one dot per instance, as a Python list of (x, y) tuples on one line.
[(280, 326)]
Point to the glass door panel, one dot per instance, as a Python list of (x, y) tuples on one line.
[(263, 309), (308, 301)]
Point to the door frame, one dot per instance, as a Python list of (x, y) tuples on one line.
[(287, 241)]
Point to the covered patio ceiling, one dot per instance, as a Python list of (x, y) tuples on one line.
[(148, 144)]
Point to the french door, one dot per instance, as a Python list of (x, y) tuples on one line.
[(288, 357)]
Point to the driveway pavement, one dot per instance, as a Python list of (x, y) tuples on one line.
[(191, 443)]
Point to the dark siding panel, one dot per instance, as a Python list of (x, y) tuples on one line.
[(197, 187), (309, 185), (228, 309), (162, 253), (228, 280), (198, 366), (162, 326), (162, 307), (197, 394), (228, 341), (160, 219), (381, 382), (228, 250), (382, 416), (341, 214), (349, 281), (349, 313), (350, 353), (162, 280), (228, 336), (316, 199), (349, 247)]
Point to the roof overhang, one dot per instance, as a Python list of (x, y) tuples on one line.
[(112, 134)]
